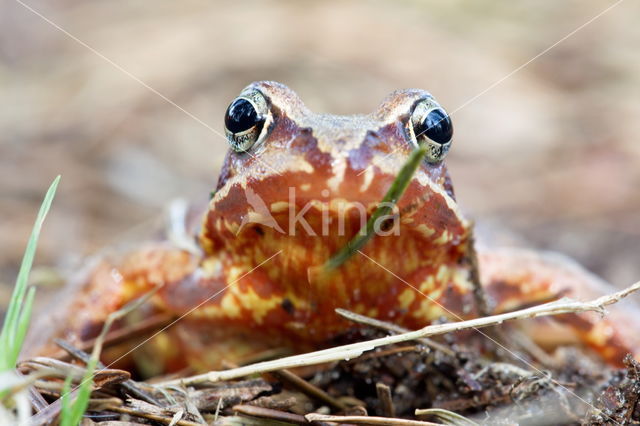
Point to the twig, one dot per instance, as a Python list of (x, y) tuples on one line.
[(561, 306), (367, 420), (386, 401), (448, 417), (309, 389), (151, 416), (48, 367), (384, 325), (47, 414), (37, 401), (391, 351), (271, 414), (129, 385)]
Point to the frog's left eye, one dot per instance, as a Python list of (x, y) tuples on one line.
[(244, 121), (430, 125)]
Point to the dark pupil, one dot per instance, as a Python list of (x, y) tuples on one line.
[(437, 126), (241, 116)]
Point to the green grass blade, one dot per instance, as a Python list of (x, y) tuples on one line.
[(71, 414), (10, 336), (66, 401), (84, 393), (23, 322), (392, 196)]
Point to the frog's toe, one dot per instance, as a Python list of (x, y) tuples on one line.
[(517, 278)]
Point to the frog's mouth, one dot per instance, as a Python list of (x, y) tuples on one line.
[(291, 210), (274, 240)]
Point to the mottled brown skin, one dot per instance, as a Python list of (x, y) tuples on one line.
[(245, 306)]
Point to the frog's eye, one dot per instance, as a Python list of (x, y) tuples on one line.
[(245, 119), (431, 126)]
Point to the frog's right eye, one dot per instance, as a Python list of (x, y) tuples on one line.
[(430, 125), (244, 121)]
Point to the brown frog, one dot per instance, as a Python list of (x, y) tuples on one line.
[(295, 187)]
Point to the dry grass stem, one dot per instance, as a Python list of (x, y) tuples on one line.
[(267, 413), (167, 420), (367, 420), (384, 325), (386, 400), (449, 417), (346, 352), (309, 389)]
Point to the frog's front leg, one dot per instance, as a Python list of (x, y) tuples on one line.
[(516, 278), (208, 322), (105, 285)]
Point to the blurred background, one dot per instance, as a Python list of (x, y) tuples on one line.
[(549, 157)]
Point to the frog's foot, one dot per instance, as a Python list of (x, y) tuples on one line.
[(210, 308), (105, 285), (519, 278)]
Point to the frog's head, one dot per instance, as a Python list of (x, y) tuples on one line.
[(305, 183)]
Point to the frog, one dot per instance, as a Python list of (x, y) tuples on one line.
[(295, 187)]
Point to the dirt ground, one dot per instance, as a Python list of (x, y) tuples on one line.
[(118, 96)]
